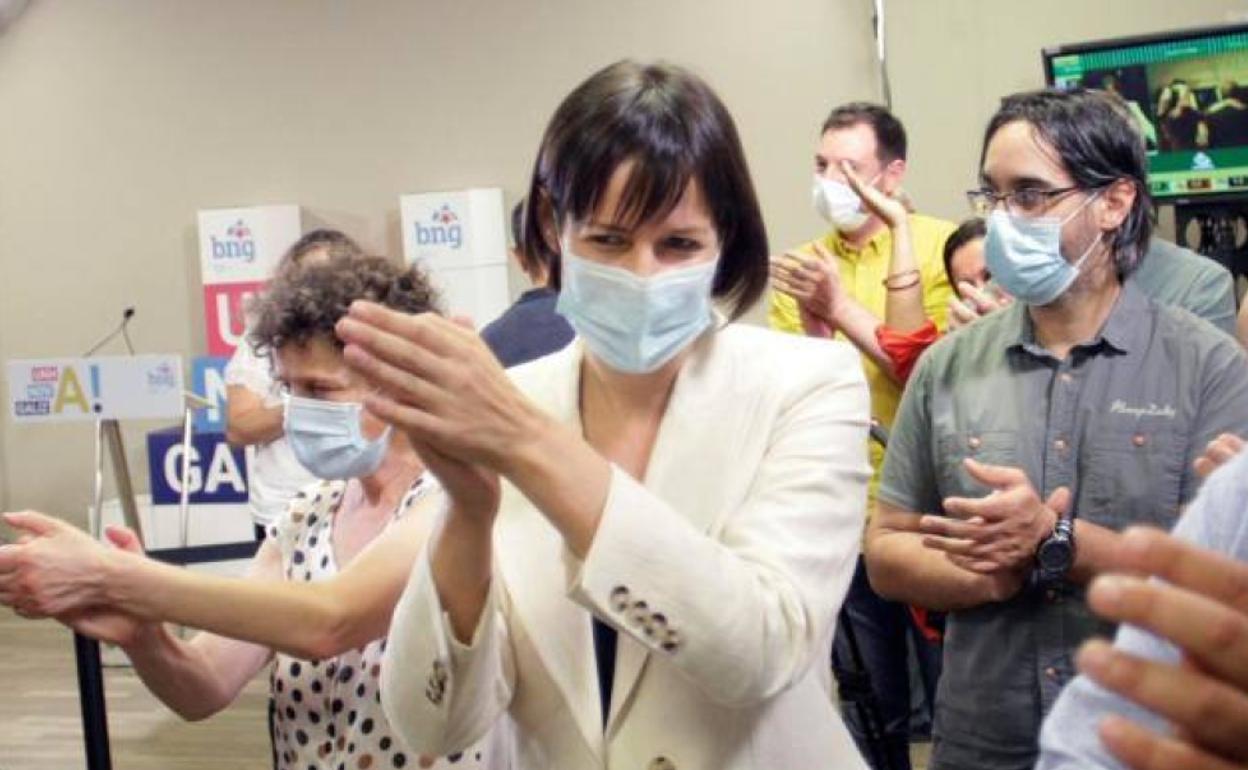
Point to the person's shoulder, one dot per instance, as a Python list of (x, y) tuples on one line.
[(927, 226), (755, 354), (552, 370), (991, 332), (929, 222), (758, 343), (314, 498), (308, 506), (500, 325), (1181, 323), (828, 240), (1171, 261), (929, 235)]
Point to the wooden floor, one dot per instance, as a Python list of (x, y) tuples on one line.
[(41, 729)]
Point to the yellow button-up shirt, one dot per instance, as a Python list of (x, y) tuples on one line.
[(862, 273)]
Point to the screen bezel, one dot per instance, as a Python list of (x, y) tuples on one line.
[(1051, 52)]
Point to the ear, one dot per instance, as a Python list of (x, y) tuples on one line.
[(892, 175), (1115, 204)]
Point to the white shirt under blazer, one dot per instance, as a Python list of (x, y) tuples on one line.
[(723, 574)]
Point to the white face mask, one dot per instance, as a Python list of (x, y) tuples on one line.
[(635, 324), (839, 204)]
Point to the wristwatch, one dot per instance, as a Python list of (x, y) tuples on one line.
[(1056, 553)]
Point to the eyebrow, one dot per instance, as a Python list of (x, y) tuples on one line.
[(607, 226), (690, 230), (1019, 182)]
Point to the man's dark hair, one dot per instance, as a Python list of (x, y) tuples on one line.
[(1098, 143), (305, 301), (335, 243), (890, 135), (673, 129), (969, 230)]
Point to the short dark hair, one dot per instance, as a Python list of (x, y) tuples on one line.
[(335, 243), (1098, 144), (531, 264), (305, 301), (890, 135), (970, 229), (517, 223), (674, 129)]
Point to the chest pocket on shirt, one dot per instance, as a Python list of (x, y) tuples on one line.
[(990, 447), (1132, 475)]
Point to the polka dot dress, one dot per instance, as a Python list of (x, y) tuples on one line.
[(329, 714)]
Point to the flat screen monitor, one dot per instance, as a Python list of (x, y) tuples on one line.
[(1188, 90)]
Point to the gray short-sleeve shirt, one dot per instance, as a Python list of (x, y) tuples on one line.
[(1119, 422), (1173, 275)]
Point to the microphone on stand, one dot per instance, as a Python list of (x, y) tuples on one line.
[(120, 329)]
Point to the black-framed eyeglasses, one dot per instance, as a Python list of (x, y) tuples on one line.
[(1029, 201)]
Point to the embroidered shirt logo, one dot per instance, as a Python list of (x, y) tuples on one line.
[(1152, 410)]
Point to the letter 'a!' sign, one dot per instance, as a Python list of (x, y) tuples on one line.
[(112, 387), (238, 249)]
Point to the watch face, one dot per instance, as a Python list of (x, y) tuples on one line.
[(1055, 555)]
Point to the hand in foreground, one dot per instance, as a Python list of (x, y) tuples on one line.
[(105, 624), (1218, 451), (442, 386), (57, 569), (1202, 608)]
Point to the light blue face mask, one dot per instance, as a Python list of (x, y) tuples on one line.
[(635, 324), (326, 438), (1024, 256)]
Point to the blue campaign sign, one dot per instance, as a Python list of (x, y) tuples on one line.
[(208, 380), (218, 472)]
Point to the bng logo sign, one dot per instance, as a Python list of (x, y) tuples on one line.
[(442, 229), (237, 246)]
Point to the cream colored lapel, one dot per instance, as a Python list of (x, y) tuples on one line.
[(530, 555), (701, 434)]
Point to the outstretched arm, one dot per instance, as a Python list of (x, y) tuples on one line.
[(61, 570)]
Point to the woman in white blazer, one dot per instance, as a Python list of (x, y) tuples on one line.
[(650, 533)]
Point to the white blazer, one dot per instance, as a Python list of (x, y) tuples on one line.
[(723, 574)]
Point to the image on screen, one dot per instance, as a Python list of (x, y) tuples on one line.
[(1189, 95)]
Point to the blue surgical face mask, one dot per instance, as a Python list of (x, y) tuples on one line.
[(635, 324), (1024, 256), (327, 439)]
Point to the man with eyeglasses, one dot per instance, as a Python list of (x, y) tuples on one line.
[(1168, 273), (1027, 440)]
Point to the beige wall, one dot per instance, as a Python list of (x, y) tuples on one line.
[(120, 118)]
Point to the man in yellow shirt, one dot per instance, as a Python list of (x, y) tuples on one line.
[(876, 279)]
